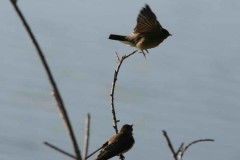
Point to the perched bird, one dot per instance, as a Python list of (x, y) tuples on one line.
[(117, 144), (147, 34)]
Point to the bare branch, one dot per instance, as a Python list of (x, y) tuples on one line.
[(117, 57), (170, 145), (86, 137), (194, 142), (120, 61), (180, 149), (59, 150), (56, 93), (128, 55)]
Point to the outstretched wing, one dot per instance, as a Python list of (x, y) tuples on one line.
[(147, 21)]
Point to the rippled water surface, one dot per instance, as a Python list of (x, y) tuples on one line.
[(189, 85)]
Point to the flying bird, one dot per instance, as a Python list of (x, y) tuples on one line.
[(147, 34)]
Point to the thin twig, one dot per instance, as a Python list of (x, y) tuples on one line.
[(180, 149), (120, 61), (117, 57), (170, 145), (56, 93), (59, 150), (86, 137), (194, 142)]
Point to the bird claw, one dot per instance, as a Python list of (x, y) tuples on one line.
[(144, 54)]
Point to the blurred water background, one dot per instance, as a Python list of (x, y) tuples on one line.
[(189, 85)]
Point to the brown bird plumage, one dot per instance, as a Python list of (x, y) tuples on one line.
[(118, 144), (147, 34)]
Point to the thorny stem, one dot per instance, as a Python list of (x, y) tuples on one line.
[(115, 121), (120, 61)]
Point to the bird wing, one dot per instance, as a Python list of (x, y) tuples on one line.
[(120, 145), (147, 21)]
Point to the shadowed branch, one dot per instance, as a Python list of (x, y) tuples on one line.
[(59, 150), (55, 91), (170, 146)]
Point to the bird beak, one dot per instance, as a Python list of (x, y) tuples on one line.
[(132, 125), (170, 34)]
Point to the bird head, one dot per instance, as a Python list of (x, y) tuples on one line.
[(127, 129), (166, 33)]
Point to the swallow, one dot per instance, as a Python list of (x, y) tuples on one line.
[(117, 144)]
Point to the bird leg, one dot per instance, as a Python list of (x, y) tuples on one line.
[(122, 156)]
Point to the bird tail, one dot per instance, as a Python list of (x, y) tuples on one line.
[(117, 37), (105, 144), (123, 39)]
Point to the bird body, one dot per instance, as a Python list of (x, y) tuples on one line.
[(142, 41), (147, 34), (117, 144)]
